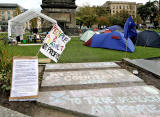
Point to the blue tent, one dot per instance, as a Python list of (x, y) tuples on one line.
[(114, 40), (115, 27)]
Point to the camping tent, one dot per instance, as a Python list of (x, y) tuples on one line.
[(16, 24), (114, 40), (148, 38), (115, 27), (87, 35)]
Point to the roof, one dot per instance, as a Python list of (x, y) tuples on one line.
[(11, 5), (7, 5), (28, 15), (24, 17)]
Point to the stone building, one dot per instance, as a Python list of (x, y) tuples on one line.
[(61, 10), (116, 6), (7, 12)]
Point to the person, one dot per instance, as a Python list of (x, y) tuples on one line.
[(35, 30), (18, 38)]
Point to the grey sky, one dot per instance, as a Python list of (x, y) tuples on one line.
[(35, 4)]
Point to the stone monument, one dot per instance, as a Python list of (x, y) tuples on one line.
[(61, 10)]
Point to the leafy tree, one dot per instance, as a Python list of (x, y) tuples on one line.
[(100, 11), (123, 16), (113, 20), (148, 11), (119, 18), (102, 21), (138, 19), (79, 21), (86, 15), (18, 10), (89, 16), (34, 22)]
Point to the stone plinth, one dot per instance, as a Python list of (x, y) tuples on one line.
[(61, 10), (152, 66), (80, 66), (89, 77)]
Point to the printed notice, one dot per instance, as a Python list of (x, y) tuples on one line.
[(24, 85)]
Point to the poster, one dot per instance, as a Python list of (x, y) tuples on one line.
[(54, 43), (24, 85)]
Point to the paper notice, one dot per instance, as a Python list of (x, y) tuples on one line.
[(24, 78)]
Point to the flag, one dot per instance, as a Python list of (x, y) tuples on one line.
[(129, 30), (54, 43)]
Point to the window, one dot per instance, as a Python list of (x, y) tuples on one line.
[(9, 15), (113, 7), (3, 16), (119, 7)]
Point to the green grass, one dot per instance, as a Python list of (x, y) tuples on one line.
[(77, 52)]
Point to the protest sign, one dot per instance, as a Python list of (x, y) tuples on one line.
[(54, 43), (24, 84)]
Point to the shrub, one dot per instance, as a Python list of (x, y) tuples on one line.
[(5, 67)]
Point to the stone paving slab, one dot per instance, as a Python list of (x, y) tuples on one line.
[(136, 101), (5, 112), (152, 66), (72, 78), (79, 66)]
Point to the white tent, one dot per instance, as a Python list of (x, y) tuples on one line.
[(19, 21)]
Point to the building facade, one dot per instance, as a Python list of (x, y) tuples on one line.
[(116, 6), (7, 12)]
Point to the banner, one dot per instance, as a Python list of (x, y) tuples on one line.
[(54, 43)]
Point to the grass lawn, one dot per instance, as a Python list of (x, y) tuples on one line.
[(77, 52)]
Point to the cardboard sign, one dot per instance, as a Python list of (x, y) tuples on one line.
[(24, 86), (54, 43)]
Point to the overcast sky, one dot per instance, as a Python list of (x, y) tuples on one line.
[(35, 4)]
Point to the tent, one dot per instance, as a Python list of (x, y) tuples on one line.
[(114, 40), (148, 38), (16, 24), (115, 27), (87, 35)]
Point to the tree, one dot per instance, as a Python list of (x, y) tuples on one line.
[(18, 10), (113, 20), (102, 21), (101, 11), (138, 19), (87, 15), (119, 18), (34, 22), (79, 21), (148, 11), (123, 16)]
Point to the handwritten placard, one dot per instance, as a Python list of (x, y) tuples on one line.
[(24, 86), (54, 43)]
